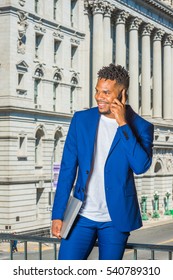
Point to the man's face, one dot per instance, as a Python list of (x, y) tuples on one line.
[(106, 92)]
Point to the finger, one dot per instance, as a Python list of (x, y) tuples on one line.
[(116, 102), (57, 234), (123, 97)]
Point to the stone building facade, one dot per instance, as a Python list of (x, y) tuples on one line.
[(50, 53)]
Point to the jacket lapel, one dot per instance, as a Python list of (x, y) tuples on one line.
[(93, 126), (115, 142), (129, 116)]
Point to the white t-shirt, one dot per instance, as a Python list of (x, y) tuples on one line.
[(95, 206)]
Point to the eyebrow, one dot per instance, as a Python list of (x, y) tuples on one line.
[(104, 90)]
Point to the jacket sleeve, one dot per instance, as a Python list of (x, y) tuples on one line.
[(138, 149), (67, 174)]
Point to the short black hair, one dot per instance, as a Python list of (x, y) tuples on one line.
[(115, 72)]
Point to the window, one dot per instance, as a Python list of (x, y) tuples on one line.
[(51, 198), (20, 78), (20, 84), (39, 194), (39, 201), (74, 56), (22, 69), (36, 6), (55, 85), (58, 146), (74, 13), (56, 50), (57, 78), (38, 72), (36, 90), (55, 9), (74, 83), (39, 147), (22, 142), (158, 167), (38, 39), (71, 100), (37, 84)]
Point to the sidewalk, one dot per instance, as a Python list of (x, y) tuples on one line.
[(157, 222)]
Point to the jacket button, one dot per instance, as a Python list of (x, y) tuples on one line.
[(87, 171)]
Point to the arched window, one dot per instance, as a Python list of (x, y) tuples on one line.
[(74, 83), (158, 167), (57, 8), (74, 13), (36, 6), (57, 78), (39, 147), (38, 75), (57, 145)]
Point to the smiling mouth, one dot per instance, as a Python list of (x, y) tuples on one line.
[(102, 104)]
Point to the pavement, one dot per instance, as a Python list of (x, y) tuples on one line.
[(151, 222), (34, 246)]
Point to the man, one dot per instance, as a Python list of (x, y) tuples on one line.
[(105, 145)]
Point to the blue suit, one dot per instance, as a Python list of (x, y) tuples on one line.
[(131, 152)]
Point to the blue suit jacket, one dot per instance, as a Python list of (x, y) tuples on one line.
[(131, 152)]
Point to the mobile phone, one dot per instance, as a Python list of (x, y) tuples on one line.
[(120, 96)]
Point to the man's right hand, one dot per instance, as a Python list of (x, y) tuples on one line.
[(56, 228)]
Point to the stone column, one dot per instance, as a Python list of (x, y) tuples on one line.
[(167, 77), (97, 55), (134, 63), (120, 52), (107, 44), (87, 54), (146, 70), (157, 74)]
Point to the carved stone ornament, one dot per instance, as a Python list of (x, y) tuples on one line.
[(22, 2), (97, 6), (121, 17), (58, 35), (108, 9), (135, 23), (147, 28), (22, 27), (158, 35), (169, 164), (39, 27), (86, 4), (168, 40), (75, 41)]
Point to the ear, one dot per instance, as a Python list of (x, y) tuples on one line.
[(124, 96)]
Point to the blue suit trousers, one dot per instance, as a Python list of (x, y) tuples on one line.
[(85, 232)]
